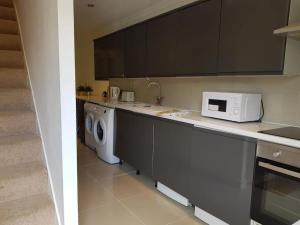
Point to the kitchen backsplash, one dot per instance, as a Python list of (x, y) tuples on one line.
[(281, 94)]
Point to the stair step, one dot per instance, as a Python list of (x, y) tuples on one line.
[(34, 210), (20, 149), (12, 78), (22, 180), (7, 3), (24, 197), (15, 99), (10, 42), (8, 27), (17, 123), (11, 59), (7, 13)]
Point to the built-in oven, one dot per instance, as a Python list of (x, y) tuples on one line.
[(276, 191)]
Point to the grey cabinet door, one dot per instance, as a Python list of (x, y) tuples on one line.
[(134, 140), (116, 54), (101, 59), (124, 137), (172, 142), (135, 51), (221, 175), (161, 45), (184, 42), (197, 38), (143, 144), (247, 42), (109, 56), (80, 120)]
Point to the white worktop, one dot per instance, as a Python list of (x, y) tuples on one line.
[(191, 117)]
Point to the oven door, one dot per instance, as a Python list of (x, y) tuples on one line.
[(276, 193)]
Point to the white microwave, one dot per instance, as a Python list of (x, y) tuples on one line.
[(238, 107)]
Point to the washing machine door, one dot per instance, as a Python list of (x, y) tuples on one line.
[(100, 131), (89, 123)]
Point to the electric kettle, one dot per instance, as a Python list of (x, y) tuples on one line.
[(114, 93)]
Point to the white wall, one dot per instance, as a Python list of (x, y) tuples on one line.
[(47, 35), (281, 94), (85, 61)]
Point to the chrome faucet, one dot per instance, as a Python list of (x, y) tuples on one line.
[(160, 97)]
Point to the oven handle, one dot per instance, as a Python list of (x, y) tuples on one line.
[(279, 169)]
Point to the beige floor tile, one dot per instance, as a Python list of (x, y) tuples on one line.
[(154, 209), (188, 221), (91, 194), (128, 185), (114, 214), (100, 170), (85, 156), (115, 195)]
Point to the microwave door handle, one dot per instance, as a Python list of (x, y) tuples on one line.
[(279, 169)]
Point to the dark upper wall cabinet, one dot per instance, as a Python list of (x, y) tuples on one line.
[(208, 37), (185, 42), (247, 42), (101, 58), (161, 44), (135, 51), (197, 39), (109, 56), (116, 54)]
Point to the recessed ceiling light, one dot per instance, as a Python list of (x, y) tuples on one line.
[(91, 5)]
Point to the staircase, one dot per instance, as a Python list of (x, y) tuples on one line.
[(24, 191)]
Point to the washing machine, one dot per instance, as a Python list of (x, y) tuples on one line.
[(104, 134), (89, 110)]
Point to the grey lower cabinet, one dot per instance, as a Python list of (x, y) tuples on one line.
[(134, 140), (172, 143), (221, 175), (214, 170)]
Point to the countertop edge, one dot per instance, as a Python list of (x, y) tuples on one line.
[(203, 124)]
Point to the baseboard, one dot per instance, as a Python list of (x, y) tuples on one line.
[(254, 223), (172, 194), (208, 218), (52, 194)]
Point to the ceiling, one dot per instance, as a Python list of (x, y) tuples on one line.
[(106, 12), (113, 14)]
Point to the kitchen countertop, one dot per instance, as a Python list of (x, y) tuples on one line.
[(250, 129)]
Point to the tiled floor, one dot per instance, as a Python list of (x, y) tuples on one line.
[(115, 195)]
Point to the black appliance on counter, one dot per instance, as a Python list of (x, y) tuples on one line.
[(276, 191)]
